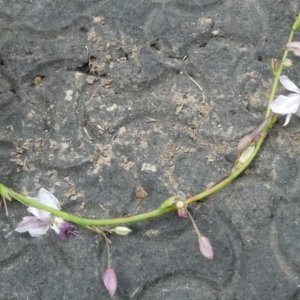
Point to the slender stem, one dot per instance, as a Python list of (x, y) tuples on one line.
[(278, 73), (89, 222), (152, 214), (194, 224), (108, 251), (7, 193), (5, 205)]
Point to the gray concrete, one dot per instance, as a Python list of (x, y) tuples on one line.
[(96, 107)]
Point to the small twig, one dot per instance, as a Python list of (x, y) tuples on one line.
[(198, 85)]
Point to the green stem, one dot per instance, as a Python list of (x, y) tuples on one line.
[(278, 73), (152, 214), (88, 222), (236, 173), (163, 209)]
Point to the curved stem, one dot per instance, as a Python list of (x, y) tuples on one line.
[(163, 209), (88, 222)]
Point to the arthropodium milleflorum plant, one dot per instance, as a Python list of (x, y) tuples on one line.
[(46, 209)]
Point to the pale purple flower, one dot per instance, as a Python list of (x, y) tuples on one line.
[(205, 247), (294, 47), (287, 105), (110, 281), (39, 224)]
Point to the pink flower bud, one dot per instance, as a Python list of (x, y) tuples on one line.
[(205, 247), (293, 46), (182, 213), (181, 209), (258, 131), (244, 143), (110, 281)]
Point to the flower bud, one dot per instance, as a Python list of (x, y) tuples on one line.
[(244, 143), (179, 204), (288, 62), (246, 154), (110, 281), (182, 213), (258, 131), (294, 47), (205, 247), (121, 230), (181, 209)]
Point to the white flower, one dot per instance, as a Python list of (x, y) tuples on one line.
[(287, 105)]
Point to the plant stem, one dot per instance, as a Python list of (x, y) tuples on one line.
[(278, 73), (88, 222), (162, 210)]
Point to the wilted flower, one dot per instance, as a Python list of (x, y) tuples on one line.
[(110, 281), (287, 105), (62, 227), (205, 247), (294, 47), (39, 224)]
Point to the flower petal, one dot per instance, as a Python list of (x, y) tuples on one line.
[(293, 46), (285, 105), (40, 214), (45, 197), (298, 112), (287, 119), (36, 232), (288, 84), (33, 225), (28, 223)]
